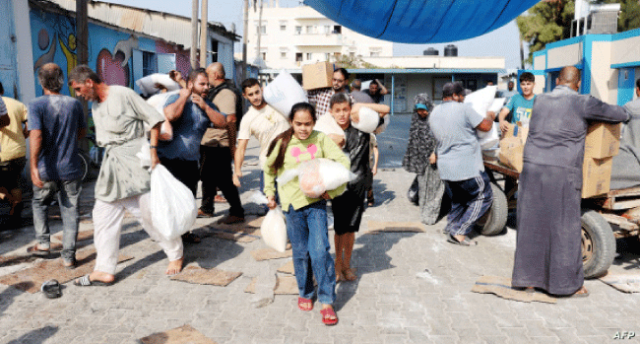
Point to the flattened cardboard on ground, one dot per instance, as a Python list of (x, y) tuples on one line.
[(82, 236), (53, 269), (240, 236), (285, 285), (180, 335), (198, 275), (627, 283), (245, 232), (269, 253), (287, 268), (501, 287), (377, 227)]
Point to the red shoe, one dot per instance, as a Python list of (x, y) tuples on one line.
[(219, 199), (329, 316), (305, 302)]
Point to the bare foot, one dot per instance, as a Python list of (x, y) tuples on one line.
[(175, 267), (102, 277)]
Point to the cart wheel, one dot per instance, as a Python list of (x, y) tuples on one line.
[(598, 244), (494, 221)]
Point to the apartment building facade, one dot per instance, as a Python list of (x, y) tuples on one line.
[(290, 37)]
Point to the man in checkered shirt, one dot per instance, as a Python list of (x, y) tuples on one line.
[(321, 97)]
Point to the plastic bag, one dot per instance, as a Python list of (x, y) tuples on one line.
[(173, 207), (481, 99), (148, 84), (328, 125), (145, 154), (317, 176), (413, 193), (383, 126), (284, 92), (369, 120), (158, 101), (274, 230)]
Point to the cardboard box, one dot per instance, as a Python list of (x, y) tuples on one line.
[(603, 140), (512, 146), (317, 75), (596, 176)]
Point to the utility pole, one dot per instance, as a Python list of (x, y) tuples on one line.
[(82, 32), (245, 34), (259, 30), (82, 49), (204, 33), (194, 34)]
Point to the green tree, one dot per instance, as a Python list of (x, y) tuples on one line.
[(550, 21)]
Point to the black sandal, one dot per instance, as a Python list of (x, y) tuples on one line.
[(51, 289)]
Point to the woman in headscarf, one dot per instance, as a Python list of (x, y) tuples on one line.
[(420, 158)]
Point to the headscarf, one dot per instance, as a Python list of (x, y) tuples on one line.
[(421, 140)]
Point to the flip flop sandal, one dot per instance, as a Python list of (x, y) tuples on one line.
[(329, 317), (84, 281), (191, 238), (349, 275), (51, 289), (465, 242), (302, 301), (583, 294), (35, 249)]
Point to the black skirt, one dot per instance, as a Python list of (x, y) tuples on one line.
[(347, 212)]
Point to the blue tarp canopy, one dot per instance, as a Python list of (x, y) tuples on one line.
[(421, 21)]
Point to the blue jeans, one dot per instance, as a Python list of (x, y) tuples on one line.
[(68, 193), (309, 237)]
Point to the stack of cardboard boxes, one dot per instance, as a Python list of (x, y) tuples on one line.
[(601, 145)]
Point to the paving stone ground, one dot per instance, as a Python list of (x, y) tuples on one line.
[(389, 303)]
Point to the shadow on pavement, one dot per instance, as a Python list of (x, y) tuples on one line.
[(381, 194), (7, 296), (370, 258), (38, 336), (212, 252)]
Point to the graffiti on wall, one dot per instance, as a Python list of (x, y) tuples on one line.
[(111, 52)]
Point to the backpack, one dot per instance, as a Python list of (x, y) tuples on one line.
[(228, 84)]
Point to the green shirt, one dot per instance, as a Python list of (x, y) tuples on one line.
[(317, 145)]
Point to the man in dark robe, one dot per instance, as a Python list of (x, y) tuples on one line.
[(548, 249)]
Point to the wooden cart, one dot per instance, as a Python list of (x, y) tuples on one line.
[(605, 218)]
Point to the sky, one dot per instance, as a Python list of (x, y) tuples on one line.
[(501, 42)]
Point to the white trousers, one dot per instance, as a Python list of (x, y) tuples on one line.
[(107, 220)]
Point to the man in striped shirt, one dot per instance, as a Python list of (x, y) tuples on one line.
[(459, 160)]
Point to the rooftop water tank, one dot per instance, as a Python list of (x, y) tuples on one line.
[(431, 52), (450, 50)]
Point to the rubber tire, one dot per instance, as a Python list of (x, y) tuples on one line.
[(84, 163), (604, 244), (496, 217)]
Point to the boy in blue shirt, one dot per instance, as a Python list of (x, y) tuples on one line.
[(520, 104)]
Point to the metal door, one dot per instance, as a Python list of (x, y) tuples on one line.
[(8, 62)]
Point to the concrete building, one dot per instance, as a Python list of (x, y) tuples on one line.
[(125, 43), (407, 76), (292, 36), (609, 63)]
